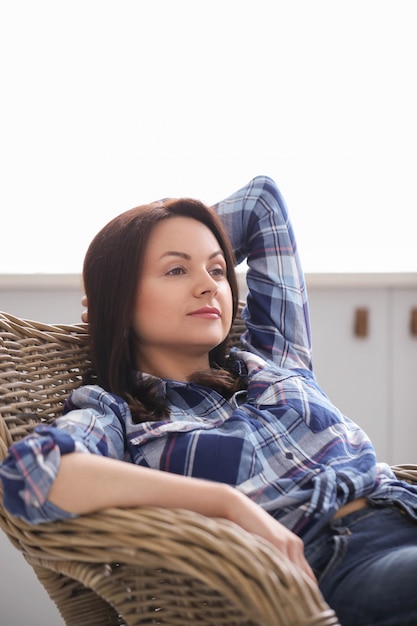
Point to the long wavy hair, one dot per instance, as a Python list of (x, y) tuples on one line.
[(111, 272)]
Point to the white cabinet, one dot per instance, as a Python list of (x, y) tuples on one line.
[(371, 378), (24, 600)]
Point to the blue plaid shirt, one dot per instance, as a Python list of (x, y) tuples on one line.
[(282, 443)]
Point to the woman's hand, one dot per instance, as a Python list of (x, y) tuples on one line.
[(84, 314), (255, 520)]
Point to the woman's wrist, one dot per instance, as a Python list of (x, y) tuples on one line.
[(235, 504)]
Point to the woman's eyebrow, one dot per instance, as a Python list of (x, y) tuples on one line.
[(187, 257)]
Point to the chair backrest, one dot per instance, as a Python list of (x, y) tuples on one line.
[(40, 364), (175, 561)]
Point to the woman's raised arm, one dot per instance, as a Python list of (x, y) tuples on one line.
[(277, 316)]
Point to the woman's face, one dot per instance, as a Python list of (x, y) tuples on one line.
[(184, 302)]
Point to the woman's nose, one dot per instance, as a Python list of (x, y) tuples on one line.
[(205, 284)]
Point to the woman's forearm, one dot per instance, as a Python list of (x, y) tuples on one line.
[(86, 483)]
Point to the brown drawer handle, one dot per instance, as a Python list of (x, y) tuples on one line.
[(361, 322), (413, 322)]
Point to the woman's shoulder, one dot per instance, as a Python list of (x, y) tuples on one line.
[(96, 398)]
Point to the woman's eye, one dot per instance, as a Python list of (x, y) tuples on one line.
[(176, 271), (218, 271)]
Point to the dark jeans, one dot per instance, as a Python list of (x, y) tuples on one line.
[(366, 565)]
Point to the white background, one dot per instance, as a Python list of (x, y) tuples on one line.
[(109, 104)]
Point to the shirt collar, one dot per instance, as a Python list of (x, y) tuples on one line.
[(161, 386)]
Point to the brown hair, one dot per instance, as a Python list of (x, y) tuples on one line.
[(111, 273)]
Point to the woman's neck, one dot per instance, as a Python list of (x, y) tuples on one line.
[(172, 366)]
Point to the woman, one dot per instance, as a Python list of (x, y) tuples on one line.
[(248, 436)]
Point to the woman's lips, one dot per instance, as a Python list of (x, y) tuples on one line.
[(210, 313)]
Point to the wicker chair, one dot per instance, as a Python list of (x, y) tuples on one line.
[(145, 565)]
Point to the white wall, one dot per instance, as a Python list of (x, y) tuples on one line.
[(108, 104)]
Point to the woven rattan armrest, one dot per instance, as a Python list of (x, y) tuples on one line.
[(169, 567)]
